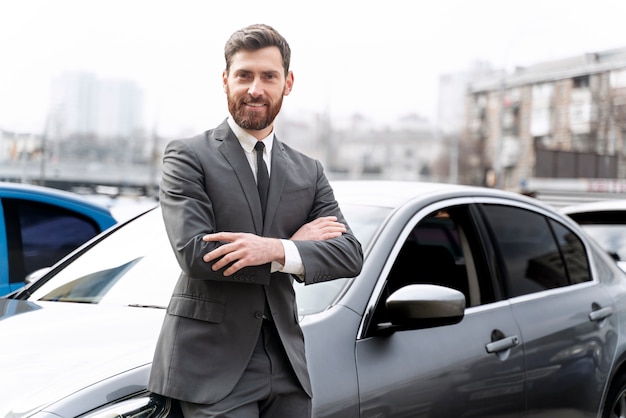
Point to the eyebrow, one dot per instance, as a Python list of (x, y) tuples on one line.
[(266, 72)]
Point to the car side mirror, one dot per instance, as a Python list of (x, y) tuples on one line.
[(423, 306)]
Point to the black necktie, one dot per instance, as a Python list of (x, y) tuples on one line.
[(262, 175)]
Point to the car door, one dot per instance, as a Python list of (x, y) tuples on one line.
[(566, 318), (474, 368)]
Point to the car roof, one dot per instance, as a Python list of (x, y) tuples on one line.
[(60, 198), (393, 194), (598, 206), (8, 189)]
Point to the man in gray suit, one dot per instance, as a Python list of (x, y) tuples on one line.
[(231, 344)]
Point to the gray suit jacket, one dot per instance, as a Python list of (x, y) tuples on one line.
[(213, 322)]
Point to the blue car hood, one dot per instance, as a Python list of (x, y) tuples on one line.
[(56, 349)]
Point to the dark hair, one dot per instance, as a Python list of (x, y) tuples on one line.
[(255, 37)]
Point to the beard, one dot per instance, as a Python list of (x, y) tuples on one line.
[(254, 121)]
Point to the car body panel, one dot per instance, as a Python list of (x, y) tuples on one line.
[(481, 383), (574, 356), (58, 349), (339, 400)]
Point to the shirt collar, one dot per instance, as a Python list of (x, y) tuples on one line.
[(248, 141)]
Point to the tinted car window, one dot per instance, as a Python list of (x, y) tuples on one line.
[(39, 235), (442, 249), (532, 260), (574, 254)]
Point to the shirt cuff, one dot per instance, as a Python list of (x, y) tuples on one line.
[(293, 261)]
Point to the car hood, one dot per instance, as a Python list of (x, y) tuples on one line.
[(59, 348)]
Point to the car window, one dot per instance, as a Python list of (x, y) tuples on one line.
[(537, 253), (573, 253), (40, 234), (611, 237), (364, 220), (443, 249), (607, 227)]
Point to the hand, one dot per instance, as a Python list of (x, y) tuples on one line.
[(320, 229), (242, 250)]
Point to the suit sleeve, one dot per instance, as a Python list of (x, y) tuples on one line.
[(332, 258), (188, 213)]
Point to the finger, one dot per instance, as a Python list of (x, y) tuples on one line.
[(335, 227), (328, 219), (217, 253), (223, 262), (210, 256), (220, 236), (334, 223), (211, 237), (323, 220), (232, 269), (337, 224)]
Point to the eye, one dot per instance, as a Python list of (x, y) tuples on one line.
[(242, 75), (270, 76)]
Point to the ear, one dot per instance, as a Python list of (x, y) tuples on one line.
[(224, 80), (288, 84)]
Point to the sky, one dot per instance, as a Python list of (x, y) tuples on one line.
[(381, 59)]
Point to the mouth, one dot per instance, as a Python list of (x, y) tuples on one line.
[(254, 105)]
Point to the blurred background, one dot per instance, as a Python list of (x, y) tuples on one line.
[(526, 96)]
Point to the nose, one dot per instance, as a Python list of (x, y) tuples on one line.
[(255, 89)]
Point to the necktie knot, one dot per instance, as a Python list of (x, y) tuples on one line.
[(259, 146)]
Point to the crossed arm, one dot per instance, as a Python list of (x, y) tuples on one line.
[(245, 249)]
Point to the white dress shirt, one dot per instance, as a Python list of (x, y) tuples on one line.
[(293, 261)]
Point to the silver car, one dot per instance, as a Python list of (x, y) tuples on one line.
[(472, 302)]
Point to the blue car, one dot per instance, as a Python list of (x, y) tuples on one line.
[(39, 226)]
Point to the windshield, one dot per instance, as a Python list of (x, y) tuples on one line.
[(610, 237), (364, 221), (135, 266)]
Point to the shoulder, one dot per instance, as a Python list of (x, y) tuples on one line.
[(187, 141), (295, 155), (212, 137)]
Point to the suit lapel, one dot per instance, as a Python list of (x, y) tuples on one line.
[(235, 155)]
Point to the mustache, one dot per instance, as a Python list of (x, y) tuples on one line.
[(254, 100)]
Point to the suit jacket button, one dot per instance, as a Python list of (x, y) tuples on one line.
[(258, 315)]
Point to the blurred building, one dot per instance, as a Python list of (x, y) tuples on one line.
[(18, 146), (94, 136), (451, 112), (84, 105), (406, 150), (357, 147), (556, 120)]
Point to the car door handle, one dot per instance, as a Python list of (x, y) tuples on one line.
[(503, 344), (600, 314)]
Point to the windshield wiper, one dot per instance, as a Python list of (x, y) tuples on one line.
[(140, 305)]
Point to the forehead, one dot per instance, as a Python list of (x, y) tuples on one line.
[(264, 59)]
